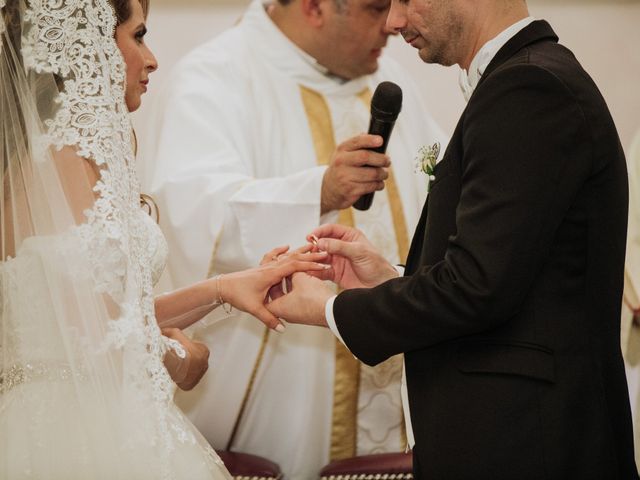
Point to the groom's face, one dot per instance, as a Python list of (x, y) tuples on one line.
[(434, 27)]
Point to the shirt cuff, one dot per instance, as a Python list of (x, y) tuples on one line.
[(331, 321), (399, 269)]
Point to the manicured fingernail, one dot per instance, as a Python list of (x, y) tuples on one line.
[(280, 328)]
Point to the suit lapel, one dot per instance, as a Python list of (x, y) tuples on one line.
[(536, 31), (417, 241)]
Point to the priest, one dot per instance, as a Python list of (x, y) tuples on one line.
[(257, 143)]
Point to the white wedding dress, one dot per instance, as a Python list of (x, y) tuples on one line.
[(105, 437), (84, 394)]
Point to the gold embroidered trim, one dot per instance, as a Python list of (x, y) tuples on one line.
[(395, 202), (400, 229), (346, 386), (249, 389), (346, 381), (212, 262)]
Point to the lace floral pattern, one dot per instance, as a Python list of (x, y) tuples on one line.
[(73, 39), (2, 4)]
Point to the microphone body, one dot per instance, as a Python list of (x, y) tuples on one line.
[(386, 104), (384, 129)]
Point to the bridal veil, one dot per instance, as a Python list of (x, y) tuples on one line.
[(83, 390)]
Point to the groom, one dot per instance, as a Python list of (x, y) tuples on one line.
[(508, 311)]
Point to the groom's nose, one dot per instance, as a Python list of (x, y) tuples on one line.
[(397, 17)]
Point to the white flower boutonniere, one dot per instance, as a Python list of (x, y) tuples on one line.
[(427, 159)]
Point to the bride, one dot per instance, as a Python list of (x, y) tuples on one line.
[(84, 392)]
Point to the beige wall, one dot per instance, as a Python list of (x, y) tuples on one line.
[(604, 35)]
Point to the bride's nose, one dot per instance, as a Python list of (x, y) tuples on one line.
[(151, 64)]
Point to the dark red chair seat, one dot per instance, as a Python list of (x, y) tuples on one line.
[(387, 466), (244, 466)]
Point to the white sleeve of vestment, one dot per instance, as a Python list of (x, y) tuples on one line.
[(203, 177)]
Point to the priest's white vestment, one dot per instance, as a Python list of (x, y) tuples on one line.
[(244, 129)]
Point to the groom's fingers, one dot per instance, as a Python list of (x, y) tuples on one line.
[(329, 231), (325, 274), (338, 247)]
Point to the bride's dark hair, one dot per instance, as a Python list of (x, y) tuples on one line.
[(122, 9)]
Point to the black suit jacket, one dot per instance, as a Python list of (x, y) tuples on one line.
[(509, 312)]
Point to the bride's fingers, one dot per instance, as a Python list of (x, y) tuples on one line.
[(319, 257), (306, 248), (289, 268), (273, 255), (266, 317)]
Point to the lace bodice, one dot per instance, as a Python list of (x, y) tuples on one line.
[(156, 246)]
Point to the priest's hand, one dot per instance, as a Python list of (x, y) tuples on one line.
[(305, 303), (187, 371), (353, 172), (355, 262)]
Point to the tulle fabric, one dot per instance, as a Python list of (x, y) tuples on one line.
[(83, 390)]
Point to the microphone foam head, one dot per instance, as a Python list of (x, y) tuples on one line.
[(386, 102)]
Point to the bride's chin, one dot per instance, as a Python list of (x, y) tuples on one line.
[(133, 102)]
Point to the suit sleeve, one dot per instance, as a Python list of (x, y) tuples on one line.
[(526, 155)]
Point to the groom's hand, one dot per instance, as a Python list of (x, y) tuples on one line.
[(249, 290), (355, 262), (305, 302)]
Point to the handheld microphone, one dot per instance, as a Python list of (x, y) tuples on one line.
[(385, 107)]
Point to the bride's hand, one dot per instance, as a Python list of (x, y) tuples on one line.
[(187, 371), (278, 254), (248, 290)]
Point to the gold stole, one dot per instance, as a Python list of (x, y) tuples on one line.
[(347, 369)]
